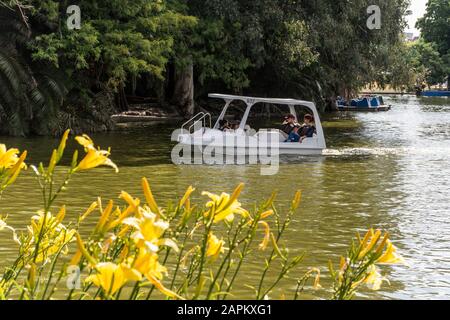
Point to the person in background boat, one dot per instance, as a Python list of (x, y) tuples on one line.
[(308, 129), (224, 125), (288, 124), (341, 101), (294, 135)]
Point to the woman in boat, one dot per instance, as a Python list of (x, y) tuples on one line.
[(308, 129)]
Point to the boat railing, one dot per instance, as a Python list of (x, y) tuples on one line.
[(201, 118)]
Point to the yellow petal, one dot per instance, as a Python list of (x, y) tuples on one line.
[(83, 250), (390, 256), (186, 196), (149, 197), (105, 216), (163, 289), (297, 200), (266, 214), (62, 145), (15, 170), (61, 214), (215, 246), (76, 258), (91, 208), (265, 242), (85, 141)]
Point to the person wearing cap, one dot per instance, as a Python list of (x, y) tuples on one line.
[(288, 124)]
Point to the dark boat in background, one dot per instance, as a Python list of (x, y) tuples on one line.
[(366, 104), (435, 93)]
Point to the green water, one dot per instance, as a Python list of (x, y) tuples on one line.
[(386, 170)]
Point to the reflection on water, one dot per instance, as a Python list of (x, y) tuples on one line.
[(388, 170)]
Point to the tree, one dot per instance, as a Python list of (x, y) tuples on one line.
[(435, 28), (119, 41), (303, 49), (30, 93), (425, 55)]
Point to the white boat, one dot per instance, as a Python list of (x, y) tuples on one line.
[(199, 133)]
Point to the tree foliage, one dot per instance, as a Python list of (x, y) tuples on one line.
[(300, 48), (30, 93), (435, 27)]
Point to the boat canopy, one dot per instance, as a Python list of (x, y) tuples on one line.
[(251, 101)]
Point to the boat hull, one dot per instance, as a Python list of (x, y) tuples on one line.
[(282, 149), (435, 94), (364, 109)]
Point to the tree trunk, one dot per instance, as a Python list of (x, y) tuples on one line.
[(121, 99), (183, 95)]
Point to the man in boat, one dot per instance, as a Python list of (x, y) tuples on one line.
[(288, 124), (308, 129)]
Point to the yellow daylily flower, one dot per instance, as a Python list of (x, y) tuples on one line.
[(13, 173), (55, 238), (147, 264), (367, 246), (95, 158), (149, 230), (9, 157), (112, 277), (224, 207), (374, 279), (390, 256), (10, 165), (215, 247)]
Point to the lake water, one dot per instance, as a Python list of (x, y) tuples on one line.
[(384, 170)]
